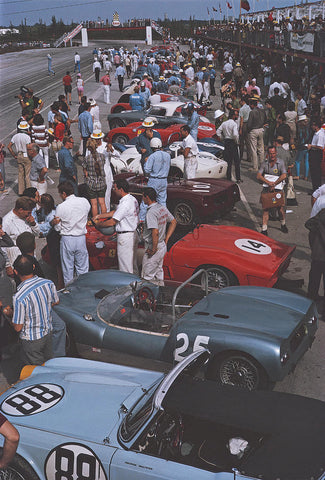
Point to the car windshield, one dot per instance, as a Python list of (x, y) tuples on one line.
[(159, 111), (138, 415)]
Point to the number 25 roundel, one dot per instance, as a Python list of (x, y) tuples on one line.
[(32, 399)]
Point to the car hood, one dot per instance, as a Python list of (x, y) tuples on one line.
[(201, 185), (93, 394), (267, 311), (231, 241)]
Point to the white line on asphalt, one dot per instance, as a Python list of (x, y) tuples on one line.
[(44, 110), (250, 212)]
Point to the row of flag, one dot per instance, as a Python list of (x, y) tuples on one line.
[(244, 4)]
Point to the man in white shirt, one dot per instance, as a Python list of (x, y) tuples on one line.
[(126, 219), (70, 221), (17, 221), (228, 132), (20, 140), (318, 200), (301, 106), (316, 153), (190, 152), (278, 85), (77, 62)]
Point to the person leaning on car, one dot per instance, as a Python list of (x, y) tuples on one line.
[(11, 440), (276, 167), (190, 151), (155, 237), (126, 219)]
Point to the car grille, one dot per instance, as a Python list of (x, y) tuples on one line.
[(298, 337)]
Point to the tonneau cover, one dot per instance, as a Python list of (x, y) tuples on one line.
[(294, 426)]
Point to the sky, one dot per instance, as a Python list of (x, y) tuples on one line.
[(16, 11)]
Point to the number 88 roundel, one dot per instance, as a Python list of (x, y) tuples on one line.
[(73, 461)]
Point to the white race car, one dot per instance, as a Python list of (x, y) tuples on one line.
[(209, 165)]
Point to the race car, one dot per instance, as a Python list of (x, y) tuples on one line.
[(169, 132), (85, 420), (189, 200), (123, 102), (209, 165), (166, 113), (230, 255), (256, 335)]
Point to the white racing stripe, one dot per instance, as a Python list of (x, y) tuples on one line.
[(250, 212)]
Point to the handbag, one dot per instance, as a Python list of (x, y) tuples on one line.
[(273, 199)]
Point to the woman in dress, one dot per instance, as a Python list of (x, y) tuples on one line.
[(94, 173)]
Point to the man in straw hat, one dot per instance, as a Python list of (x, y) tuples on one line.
[(20, 140), (143, 140)]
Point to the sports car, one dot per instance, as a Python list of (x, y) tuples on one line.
[(231, 255), (169, 133), (209, 165), (189, 200), (86, 420), (166, 113), (256, 335), (123, 102)]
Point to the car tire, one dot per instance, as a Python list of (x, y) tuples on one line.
[(119, 109), (175, 172), (18, 469), (120, 138), (70, 345), (184, 213), (116, 123), (218, 277), (240, 370)]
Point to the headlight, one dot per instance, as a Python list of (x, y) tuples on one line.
[(312, 320), (88, 317), (284, 358)]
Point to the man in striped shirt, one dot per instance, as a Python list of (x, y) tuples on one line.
[(32, 312)]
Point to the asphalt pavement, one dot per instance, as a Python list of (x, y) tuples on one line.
[(30, 68)]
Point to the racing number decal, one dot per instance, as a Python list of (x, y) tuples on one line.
[(33, 399), (73, 461), (253, 246), (199, 342)]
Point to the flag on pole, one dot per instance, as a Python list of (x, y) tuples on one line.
[(228, 5), (208, 11), (214, 9), (220, 8), (244, 4)]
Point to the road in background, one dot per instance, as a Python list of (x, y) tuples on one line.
[(30, 68)]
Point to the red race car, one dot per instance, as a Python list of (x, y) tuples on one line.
[(168, 133), (232, 255)]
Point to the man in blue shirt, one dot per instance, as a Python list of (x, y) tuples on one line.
[(67, 165), (32, 312), (145, 93), (156, 167), (143, 140), (212, 77), (136, 100), (193, 120), (85, 125), (119, 74)]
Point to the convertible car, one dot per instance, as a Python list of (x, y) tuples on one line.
[(166, 113), (190, 199), (169, 133), (123, 102), (209, 165), (256, 335), (86, 420), (230, 255), (150, 426)]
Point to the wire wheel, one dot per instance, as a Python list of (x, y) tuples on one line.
[(18, 469), (115, 123), (218, 277), (120, 138), (11, 474), (239, 371), (184, 213)]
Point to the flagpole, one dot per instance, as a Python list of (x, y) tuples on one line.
[(240, 31)]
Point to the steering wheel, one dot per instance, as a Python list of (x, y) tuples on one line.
[(144, 299)]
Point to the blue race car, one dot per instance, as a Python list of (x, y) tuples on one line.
[(256, 335), (84, 420)]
